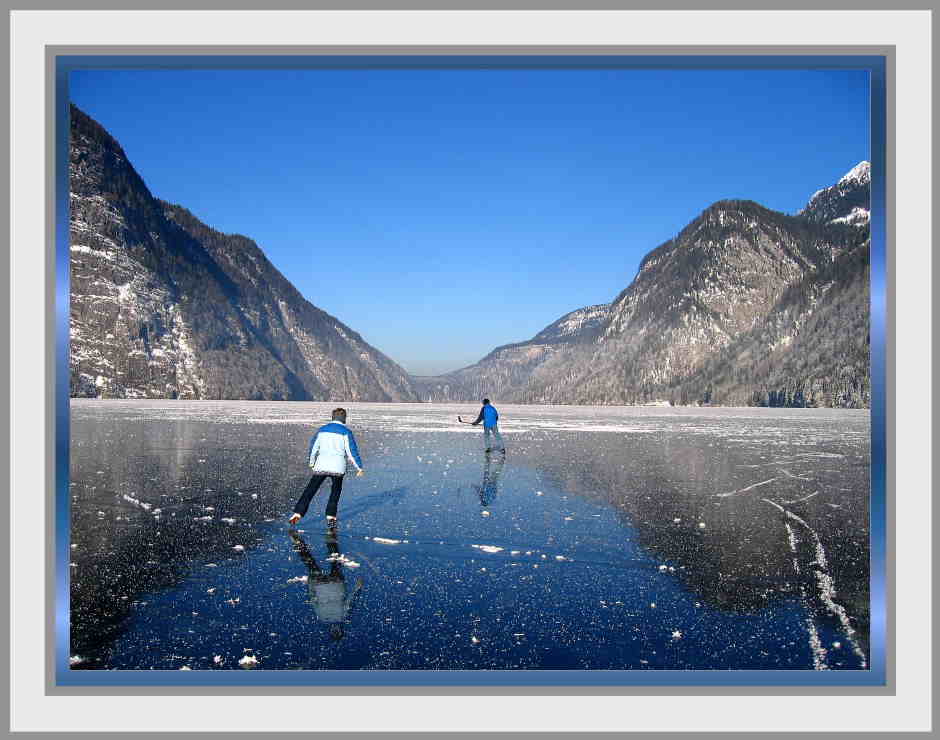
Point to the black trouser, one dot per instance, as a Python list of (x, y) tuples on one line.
[(336, 571), (303, 503)]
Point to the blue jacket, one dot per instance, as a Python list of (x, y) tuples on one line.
[(488, 415), (330, 447)]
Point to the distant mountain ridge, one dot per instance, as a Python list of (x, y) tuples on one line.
[(163, 306), (511, 366), (745, 306)]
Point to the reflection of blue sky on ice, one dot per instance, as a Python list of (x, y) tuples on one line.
[(592, 549)]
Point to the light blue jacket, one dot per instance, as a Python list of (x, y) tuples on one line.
[(330, 447)]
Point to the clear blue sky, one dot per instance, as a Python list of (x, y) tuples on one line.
[(443, 212)]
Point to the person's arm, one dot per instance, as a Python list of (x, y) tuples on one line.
[(479, 418), (352, 451), (314, 449)]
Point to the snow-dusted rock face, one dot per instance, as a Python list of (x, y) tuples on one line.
[(162, 306), (846, 201), (579, 325)]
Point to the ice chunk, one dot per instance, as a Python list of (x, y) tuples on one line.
[(488, 548)]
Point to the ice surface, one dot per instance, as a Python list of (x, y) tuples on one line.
[(637, 538)]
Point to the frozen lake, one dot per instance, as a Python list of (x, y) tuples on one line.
[(605, 538)]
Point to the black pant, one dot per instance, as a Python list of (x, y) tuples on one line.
[(303, 503), (316, 573)]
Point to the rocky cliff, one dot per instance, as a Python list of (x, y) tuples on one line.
[(163, 306)]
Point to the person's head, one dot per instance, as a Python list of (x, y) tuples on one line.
[(486, 401), (339, 415), (336, 631)]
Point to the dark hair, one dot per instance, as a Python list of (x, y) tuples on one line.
[(486, 401), (339, 415)]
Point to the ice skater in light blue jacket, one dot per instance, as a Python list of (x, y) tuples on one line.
[(329, 449)]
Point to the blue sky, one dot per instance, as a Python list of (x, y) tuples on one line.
[(443, 212)]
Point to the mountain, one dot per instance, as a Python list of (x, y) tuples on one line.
[(745, 306), (163, 306), (506, 370), (847, 201)]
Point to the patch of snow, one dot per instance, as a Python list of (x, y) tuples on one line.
[(859, 173), (488, 548)]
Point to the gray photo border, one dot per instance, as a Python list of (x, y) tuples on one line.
[(49, 324)]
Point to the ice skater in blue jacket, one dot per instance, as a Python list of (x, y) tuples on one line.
[(489, 416), (329, 449)]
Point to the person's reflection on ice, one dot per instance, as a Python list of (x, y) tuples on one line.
[(492, 469), (327, 590)]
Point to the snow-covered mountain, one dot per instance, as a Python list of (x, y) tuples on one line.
[(163, 306), (847, 201)]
